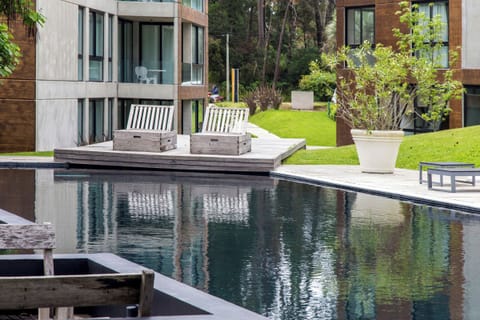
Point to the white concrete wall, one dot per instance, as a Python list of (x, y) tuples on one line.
[(470, 27), (56, 124), (57, 45)]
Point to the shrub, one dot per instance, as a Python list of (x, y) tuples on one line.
[(265, 97), (322, 82)]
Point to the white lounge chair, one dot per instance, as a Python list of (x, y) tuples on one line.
[(224, 131), (149, 129)]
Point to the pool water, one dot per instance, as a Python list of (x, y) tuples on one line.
[(282, 249)]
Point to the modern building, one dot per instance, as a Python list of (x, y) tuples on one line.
[(373, 20), (94, 58)]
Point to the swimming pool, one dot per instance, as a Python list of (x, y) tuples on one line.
[(283, 249)]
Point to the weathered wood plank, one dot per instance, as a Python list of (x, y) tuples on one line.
[(76, 290), (29, 236)]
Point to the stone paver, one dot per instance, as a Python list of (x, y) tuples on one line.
[(402, 184)]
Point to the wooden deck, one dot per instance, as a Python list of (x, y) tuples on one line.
[(266, 155)]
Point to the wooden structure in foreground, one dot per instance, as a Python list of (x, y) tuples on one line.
[(66, 292)]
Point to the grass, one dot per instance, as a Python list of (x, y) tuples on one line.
[(449, 145), (314, 126), (29, 154)]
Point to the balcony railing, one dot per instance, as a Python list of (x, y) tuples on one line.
[(148, 73)]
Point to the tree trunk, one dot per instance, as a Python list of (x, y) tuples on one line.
[(279, 48), (261, 23)]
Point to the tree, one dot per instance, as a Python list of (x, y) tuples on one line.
[(13, 10)]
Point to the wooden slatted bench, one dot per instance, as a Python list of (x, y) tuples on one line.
[(453, 173), (149, 129), (224, 132), (66, 292)]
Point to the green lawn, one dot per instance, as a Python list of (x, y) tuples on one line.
[(29, 154), (448, 145), (314, 126)]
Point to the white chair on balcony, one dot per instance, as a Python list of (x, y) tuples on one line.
[(142, 77)]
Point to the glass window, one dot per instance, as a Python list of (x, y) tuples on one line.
[(197, 115), (360, 26), (157, 52), (96, 51), (96, 132), (194, 4), (80, 122), (81, 13), (438, 9), (125, 51), (471, 106), (110, 47), (110, 119), (192, 67)]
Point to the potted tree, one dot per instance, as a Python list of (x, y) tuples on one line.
[(378, 88)]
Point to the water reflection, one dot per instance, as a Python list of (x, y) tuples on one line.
[(286, 250)]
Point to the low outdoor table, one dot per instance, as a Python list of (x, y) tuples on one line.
[(433, 164)]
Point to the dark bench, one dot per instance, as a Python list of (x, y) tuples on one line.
[(453, 173), (436, 164)]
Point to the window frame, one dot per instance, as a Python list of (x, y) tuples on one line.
[(94, 52), (347, 24)]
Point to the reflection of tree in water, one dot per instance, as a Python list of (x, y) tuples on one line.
[(397, 264), (283, 263)]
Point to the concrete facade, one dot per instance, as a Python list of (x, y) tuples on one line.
[(62, 105), (463, 20)]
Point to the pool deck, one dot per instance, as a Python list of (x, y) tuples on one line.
[(266, 155), (403, 184)]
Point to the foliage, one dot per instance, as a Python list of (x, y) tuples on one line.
[(254, 31), (375, 92), (9, 51), (265, 97), (332, 111), (321, 81), (315, 127), (461, 145)]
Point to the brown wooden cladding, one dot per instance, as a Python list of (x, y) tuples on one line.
[(17, 125), (17, 97), (385, 20)]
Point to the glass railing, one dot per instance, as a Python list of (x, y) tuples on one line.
[(192, 73), (149, 72)]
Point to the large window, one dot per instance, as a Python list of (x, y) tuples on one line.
[(125, 51), (110, 47), (81, 14), (432, 9), (471, 114), (156, 41), (194, 4), (360, 26), (96, 46), (193, 55), (96, 120), (80, 122)]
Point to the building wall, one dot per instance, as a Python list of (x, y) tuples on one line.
[(17, 98), (464, 18), (38, 104)]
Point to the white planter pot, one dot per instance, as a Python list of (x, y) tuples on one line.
[(377, 150)]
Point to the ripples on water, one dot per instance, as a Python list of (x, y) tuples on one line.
[(283, 249)]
